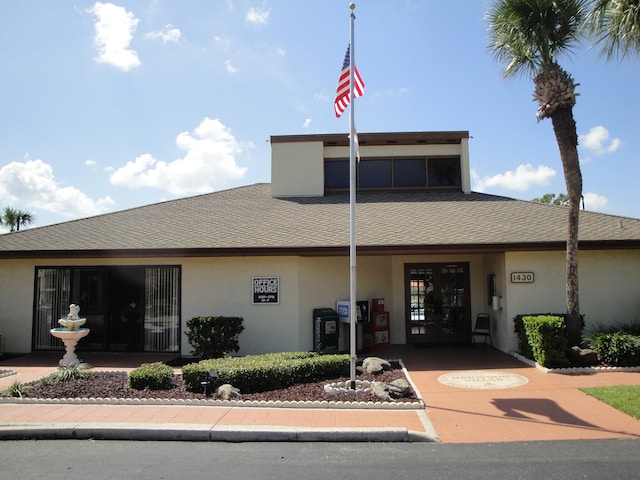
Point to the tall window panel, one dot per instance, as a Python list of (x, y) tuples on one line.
[(162, 309), (52, 298)]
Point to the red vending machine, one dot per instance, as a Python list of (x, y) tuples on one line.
[(380, 323)]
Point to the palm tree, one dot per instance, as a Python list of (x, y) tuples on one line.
[(13, 218), (615, 24), (528, 36)]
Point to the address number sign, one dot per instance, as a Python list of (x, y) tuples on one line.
[(521, 277)]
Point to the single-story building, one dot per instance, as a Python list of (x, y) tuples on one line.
[(436, 252)]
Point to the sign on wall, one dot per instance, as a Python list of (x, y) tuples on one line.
[(266, 290), (521, 277)]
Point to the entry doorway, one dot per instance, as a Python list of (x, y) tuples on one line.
[(437, 303), (126, 309)]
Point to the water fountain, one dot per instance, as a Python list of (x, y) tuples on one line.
[(70, 333)]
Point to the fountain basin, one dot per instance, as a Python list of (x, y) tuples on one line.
[(70, 339), (72, 323), (65, 334)]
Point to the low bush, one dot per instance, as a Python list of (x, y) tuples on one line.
[(16, 389), (524, 347), (547, 336), (259, 373), (618, 349), (151, 376), (214, 337), (74, 371)]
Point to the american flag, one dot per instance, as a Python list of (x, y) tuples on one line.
[(343, 91)]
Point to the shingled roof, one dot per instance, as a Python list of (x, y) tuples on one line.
[(249, 221)]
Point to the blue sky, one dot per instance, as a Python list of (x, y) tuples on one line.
[(108, 106)]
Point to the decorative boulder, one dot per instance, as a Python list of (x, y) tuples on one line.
[(375, 365), (227, 392), (388, 392), (399, 388), (583, 357), (379, 390)]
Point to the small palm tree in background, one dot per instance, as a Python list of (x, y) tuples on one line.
[(615, 25), (13, 218), (528, 36)]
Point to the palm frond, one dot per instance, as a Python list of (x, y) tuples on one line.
[(527, 34), (615, 25)]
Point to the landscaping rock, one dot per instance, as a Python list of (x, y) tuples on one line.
[(380, 391), (399, 388), (389, 392), (375, 365), (583, 357), (227, 392)]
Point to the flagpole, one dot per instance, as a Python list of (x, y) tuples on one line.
[(352, 211)]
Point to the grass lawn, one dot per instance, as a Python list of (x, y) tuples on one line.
[(623, 397)]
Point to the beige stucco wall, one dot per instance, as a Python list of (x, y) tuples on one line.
[(609, 286), (16, 304), (609, 291), (297, 168), (222, 286)]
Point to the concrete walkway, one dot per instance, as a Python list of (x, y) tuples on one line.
[(470, 396)]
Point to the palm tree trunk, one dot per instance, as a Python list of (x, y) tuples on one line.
[(565, 131)]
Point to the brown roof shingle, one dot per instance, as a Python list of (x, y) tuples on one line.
[(247, 220)]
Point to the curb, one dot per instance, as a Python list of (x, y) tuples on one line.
[(206, 433)]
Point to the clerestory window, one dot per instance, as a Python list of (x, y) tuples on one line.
[(394, 173)]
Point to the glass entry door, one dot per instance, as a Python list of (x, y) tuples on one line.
[(437, 307)]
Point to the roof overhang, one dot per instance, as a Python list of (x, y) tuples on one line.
[(397, 138), (363, 250)]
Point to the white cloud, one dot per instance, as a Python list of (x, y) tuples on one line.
[(90, 163), (222, 42), (595, 202), (524, 177), (258, 15), (31, 185), (307, 123), (229, 67), (322, 96), (209, 161), (167, 34), (597, 141), (114, 30)]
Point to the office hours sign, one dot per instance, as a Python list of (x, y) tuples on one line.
[(266, 290)]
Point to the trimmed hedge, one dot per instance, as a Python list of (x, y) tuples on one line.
[(214, 337), (524, 348), (548, 340), (152, 376), (617, 349), (258, 373)]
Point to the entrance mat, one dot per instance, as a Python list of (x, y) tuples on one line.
[(483, 379)]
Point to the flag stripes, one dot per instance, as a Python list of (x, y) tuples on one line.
[(343, 92)]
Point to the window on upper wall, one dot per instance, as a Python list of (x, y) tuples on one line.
[(336, 174), (394, 173)]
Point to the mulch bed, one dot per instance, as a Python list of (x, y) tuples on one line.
[(114, 385)]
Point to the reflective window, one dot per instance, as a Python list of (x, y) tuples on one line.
[(375, 173)]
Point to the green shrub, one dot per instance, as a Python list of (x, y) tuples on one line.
[(548, 340), (619, 348), (524, 347), (214, 337), (16, 389), (632, 328), (152, 376), (74, 371), (258, 373)]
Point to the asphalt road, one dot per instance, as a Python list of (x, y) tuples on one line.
[(102, 460)]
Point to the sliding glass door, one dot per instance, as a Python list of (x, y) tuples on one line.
[(128, 308)]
